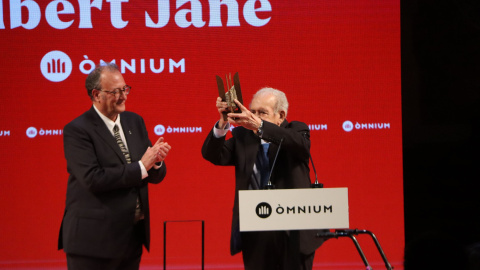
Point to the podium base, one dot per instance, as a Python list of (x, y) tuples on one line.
[(350, 234)]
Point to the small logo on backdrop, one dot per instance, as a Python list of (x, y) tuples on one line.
[(347, 126), (263, 210), (32, 132), (159, 130), (56, 66)]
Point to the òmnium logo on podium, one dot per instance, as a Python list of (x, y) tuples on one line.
[(263, 210)]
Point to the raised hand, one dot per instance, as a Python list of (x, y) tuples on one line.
[(222, 108), (245, 119), (157, 153)]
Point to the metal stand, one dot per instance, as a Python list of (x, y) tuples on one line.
[(350, 234), (165, 241)]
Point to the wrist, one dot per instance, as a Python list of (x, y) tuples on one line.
[(260, 129), (157, 165), (221, 124)]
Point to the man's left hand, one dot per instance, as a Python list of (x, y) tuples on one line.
[(157, 153), (245, 119)]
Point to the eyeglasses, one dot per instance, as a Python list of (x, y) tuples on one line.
[(116, 92)]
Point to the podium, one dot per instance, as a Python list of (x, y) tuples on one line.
[(293, 209), (302, 209)]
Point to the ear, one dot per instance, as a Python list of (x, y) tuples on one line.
[(95, 94), (282, 117)]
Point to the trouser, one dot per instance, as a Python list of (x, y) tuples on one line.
[(274, 250), (129, 260)]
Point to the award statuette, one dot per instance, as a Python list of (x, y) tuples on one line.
[(233, 92)]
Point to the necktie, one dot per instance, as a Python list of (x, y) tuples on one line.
[(138, 209), (263, 164), (120, 143)]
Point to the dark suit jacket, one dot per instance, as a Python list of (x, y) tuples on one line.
[(102, 188), (291, 168)]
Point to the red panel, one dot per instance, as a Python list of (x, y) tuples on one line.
[(336, 60)]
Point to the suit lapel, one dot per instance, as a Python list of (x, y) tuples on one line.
[(105, 134), (272, 150), (130, 137), (251, 149), (251, 146)]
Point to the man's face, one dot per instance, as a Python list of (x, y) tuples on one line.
[(109, 104), (262, 106)]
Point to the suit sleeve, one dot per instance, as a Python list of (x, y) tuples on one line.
[(96, 168), (218, 150), (295, 135), (155, 176)]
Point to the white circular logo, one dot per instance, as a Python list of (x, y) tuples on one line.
[(347, 126), (159, 130), (31, 132), (56, 66)]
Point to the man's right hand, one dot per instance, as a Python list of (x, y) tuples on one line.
[(222, 108), (157, 153)]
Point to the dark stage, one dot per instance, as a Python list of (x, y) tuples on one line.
[(440, 108)]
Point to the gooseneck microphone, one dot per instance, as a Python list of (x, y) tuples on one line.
[(316, 184), (269, 184)]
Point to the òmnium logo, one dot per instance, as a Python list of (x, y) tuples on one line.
[(159, 130), (32, 132), (263, 210), (56, 66), (347, 126)]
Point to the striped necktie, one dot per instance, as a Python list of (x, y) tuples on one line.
[(120, 143), (138, 209)]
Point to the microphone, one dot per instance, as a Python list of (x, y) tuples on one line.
[(335, 234), (327, 235), (269, 184), (316, 184)]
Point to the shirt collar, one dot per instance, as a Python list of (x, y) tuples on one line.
[(109, 123)]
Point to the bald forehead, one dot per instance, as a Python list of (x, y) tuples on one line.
[(109, 71), (111, 78)]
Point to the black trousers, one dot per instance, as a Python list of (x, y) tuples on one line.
[(274, 250), (129, 260)]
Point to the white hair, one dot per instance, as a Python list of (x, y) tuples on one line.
[(281, 103)]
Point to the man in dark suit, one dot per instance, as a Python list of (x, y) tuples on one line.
[(110, 161), (264, 126)]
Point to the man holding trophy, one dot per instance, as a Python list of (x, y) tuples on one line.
[(262, 132)]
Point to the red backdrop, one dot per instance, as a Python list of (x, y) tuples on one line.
[(337, 61)]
